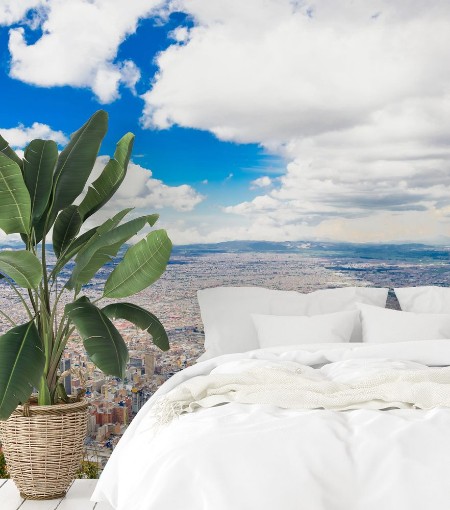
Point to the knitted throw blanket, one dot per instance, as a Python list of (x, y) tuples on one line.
[(302, 387)]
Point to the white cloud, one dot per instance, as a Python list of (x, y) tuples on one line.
[(180, 34), (421, 226), (261, 182), (139, 188), (79, 44), (20, 136), (12, 11), (130, 74), (142, 191), (355, 95)]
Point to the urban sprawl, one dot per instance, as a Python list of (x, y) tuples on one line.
[(114, 402)]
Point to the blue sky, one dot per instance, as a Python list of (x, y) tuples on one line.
[(269, 119), (176, 155)]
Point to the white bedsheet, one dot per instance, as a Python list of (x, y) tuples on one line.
[(261, 457)]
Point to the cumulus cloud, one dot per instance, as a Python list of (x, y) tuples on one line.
[(142, 191), (78, 45), (355, 96), (20, 136), (12, 11), (261, 182), (139, 188)]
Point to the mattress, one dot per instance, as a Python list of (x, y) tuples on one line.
[(264, 456)]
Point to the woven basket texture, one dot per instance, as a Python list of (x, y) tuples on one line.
[(43, 447)]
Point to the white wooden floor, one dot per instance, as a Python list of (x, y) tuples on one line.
[(77, 498)]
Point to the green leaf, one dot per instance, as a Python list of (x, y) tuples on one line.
[(123, 150), (39, 163), (83, 241), (76, 161), (106, 226), (141, 266), (21, 366), (152, 219), (140, 318), (74, 247), (15, 204), (21, 266), (7, 151), (103, 343), (102, 249), (38, 226), (66, 228), (104, 187)]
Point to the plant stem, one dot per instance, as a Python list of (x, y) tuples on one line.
[(56, 355), (32, 301), (30, 247), (46, 334), (54, 312), (59, 336), (8, 318), (45, 275), (44, 397), (47, 322)]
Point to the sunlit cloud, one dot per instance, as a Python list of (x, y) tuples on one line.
[(78, 45), (355, 96), (20, 136)]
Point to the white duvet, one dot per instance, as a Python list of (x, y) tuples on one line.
[(261, 456)]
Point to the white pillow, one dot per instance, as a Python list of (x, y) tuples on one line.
[(275, 330), (424, 299), (226, 311), (381, 325)]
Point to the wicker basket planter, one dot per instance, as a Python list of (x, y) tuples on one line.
[(43, 447)]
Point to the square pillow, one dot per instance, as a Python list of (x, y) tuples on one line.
[(280, 330), (427, 299), (229, 327), (380, 325)]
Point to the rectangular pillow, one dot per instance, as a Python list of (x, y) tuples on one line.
[(426, 299), (275, 330), (225, 311), (381, 325)]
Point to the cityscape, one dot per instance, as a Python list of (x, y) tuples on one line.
[(303, 266)]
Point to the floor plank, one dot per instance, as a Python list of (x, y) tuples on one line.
[(45, 504), (77, 497), (103, 506), (10, 496)]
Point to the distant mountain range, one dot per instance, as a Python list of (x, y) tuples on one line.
[(397, 251), (370, 251)]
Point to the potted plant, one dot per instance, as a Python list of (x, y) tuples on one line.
[(43, 436)]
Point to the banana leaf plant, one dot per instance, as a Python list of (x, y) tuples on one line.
[(37, 195)]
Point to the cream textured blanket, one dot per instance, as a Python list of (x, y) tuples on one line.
[(294, 386)]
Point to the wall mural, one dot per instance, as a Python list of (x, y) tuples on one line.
[(286, 144)]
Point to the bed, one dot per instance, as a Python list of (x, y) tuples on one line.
[(320, 425)]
